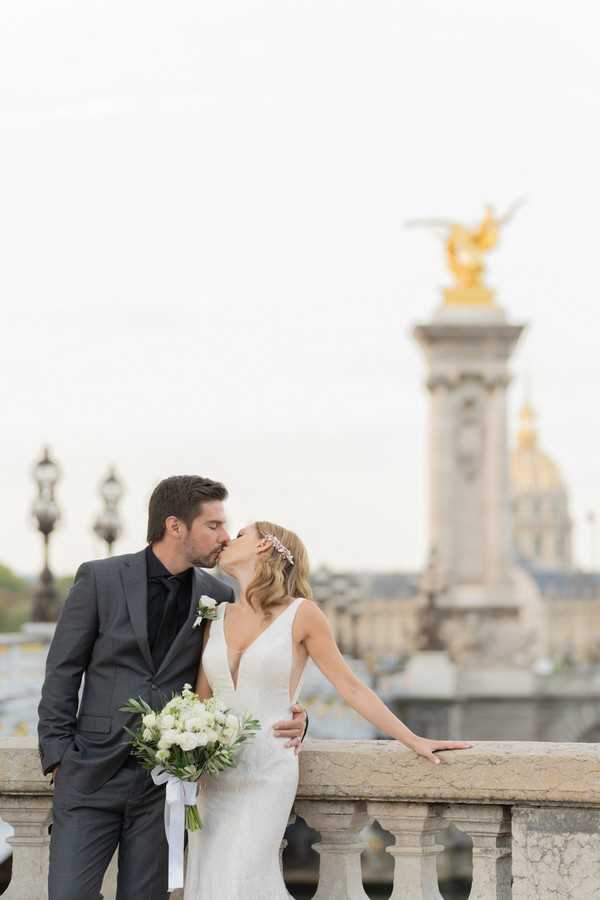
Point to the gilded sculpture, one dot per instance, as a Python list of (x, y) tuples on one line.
[(466, 247)]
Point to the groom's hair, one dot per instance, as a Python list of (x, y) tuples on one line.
[(181, 496)]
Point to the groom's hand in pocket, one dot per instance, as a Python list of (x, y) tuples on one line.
[(292, 729)]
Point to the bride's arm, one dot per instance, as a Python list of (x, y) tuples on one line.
[(313, 629), (203, 688)]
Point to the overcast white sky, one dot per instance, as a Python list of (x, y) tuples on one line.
[(203, 264)]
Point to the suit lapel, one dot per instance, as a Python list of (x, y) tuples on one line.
[(135, 585), (187, 626)]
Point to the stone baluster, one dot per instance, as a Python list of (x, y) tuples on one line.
[(30, 816), (489, 827), (414, 826), (339, 823)]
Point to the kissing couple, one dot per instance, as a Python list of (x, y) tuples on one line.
[(127, 629)]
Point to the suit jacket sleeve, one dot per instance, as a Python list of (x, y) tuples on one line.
[(305, 727), (67, 660)]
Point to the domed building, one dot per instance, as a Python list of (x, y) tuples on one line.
[(542, 526)]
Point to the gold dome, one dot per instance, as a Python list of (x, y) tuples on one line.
[(532, 471)]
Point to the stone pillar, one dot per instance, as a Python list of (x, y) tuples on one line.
[(30, 816), (556, 853), (497, 485), (441, 532), (467, 352), (489, 827), (414, 826), (339, 823)]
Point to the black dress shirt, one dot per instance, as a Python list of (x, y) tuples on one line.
[(169, 598)]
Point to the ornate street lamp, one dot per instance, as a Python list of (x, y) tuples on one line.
[(108, 524), (46, 513)]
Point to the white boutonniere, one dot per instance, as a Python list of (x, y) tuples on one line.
[(207, 609)]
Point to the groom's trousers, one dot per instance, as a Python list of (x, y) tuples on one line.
[(127, 812)]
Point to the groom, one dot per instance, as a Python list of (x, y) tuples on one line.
[(127, 625)]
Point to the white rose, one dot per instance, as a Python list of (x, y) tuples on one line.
[(207, 602), (168, 739), (165, 722), (196, 723), (173, 705), (150, 720), (211, 736), (162, 755), (188, 740)]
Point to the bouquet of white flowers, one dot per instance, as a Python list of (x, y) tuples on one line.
[(187, 738)]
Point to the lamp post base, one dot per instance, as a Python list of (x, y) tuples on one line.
[(45, 600)]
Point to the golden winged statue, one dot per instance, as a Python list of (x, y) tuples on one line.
[(465, 251)]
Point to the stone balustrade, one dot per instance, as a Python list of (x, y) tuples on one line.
[(532, 811)]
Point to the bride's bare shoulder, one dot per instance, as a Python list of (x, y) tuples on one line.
[(310, 615)]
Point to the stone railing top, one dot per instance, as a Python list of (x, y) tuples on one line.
[(490, 772)]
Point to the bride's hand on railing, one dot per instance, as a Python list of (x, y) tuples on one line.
[(427, 748)]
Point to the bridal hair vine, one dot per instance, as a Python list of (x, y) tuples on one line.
[(281, 548)]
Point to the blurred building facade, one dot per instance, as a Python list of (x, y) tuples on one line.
[(560, 602)]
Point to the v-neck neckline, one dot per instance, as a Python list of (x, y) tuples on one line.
[(235, 683)]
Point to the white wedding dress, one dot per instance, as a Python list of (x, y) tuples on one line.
[(245, 810)]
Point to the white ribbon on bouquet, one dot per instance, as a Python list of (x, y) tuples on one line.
[(179, 794)]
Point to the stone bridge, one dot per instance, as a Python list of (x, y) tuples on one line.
[(532, 811)]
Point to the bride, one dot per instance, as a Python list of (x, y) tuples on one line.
[(255, 654)]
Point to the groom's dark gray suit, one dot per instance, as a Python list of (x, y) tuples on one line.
[(103, 799)]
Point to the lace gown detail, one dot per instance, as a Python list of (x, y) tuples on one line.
[(245, 810)]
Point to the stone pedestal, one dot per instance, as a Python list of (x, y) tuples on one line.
[(556, 853)]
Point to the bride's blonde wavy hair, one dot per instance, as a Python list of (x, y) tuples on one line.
[(276, 579)]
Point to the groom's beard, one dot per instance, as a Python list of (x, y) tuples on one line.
[(207, 562)]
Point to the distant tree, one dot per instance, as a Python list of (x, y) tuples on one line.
[(63, 585), (15, 600), (16, 597), (10, 581)]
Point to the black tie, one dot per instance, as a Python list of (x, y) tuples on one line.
[(167, 630)]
